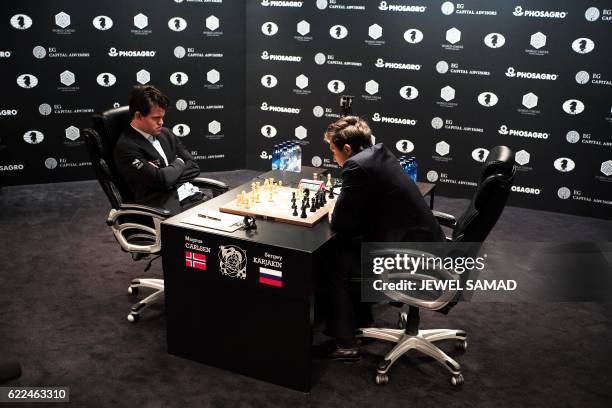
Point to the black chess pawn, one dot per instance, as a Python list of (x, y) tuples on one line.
[(323, 198), (313, 206), (303, 215), (331, 193)]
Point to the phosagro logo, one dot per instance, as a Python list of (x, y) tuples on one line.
[(384, 6), (526, 190), (113, 52), (11, 167), (266, 56), (512, 73), (520, 12), (273, 3), (503, 130), (377, 117), (270, 108), (380, 63), (8, 112)]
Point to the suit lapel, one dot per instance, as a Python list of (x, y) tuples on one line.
[(164, 140), (148, 147)]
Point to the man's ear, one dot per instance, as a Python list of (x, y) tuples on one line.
[(347, 149), (137, 115)]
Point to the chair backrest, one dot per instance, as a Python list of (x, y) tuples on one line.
[(490, 197), (101, 140)]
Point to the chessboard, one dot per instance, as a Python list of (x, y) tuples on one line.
[(275, 202)]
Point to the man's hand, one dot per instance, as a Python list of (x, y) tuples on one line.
[(331, 212), (154, 165)]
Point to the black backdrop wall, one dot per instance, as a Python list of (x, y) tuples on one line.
[(441, 80), (63, 60), (444, 81)]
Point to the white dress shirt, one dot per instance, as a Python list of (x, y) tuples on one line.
[(186, 189)]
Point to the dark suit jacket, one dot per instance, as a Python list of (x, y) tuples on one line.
[(379, 203), (150, 185)]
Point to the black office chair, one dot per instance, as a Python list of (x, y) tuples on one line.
[(470, 230), (135, 227)]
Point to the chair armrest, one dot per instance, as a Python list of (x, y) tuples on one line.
[(445, 220), (126, 230), (216, 186), (136, 209)]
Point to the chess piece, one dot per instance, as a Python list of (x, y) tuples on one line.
[(313, 206), (295, 213), (331, 193), (303, 215), (329, 182)]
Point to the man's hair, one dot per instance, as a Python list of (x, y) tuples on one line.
[(350, 130), (144, 97)]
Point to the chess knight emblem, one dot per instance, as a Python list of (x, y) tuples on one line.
[(232, 261)]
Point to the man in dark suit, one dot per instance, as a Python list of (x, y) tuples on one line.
[(151, 159), (377, 203)]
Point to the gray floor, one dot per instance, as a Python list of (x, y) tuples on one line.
[(63, 303)]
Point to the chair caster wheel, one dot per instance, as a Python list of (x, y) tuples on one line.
[(462, 344), (457, 380), (381, 379), (133, 317), (133, 290)]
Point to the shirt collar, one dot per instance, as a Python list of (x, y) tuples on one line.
[(147, 136)]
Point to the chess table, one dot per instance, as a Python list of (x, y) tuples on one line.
[(249, 306)]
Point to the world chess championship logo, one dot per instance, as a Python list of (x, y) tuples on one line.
[(232, 261)]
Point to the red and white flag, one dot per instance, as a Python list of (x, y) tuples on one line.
[(195, 260)]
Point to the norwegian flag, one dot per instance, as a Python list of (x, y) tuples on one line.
[(195, 260)]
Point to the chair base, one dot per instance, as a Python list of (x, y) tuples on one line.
[(155, 297), (422, 341)]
